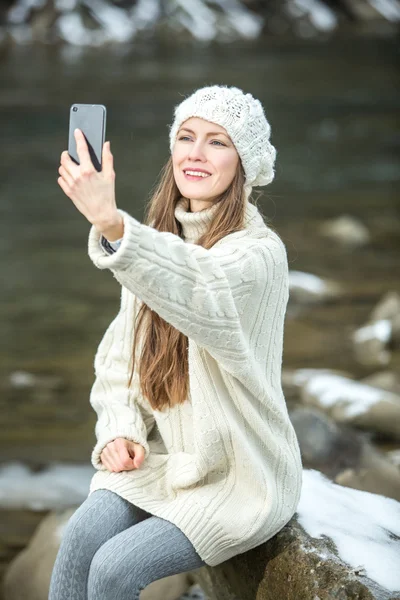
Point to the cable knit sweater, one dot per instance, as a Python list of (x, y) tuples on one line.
[(225, 466)]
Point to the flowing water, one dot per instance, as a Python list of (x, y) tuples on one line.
[(333, 108)]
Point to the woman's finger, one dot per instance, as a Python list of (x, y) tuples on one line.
[(105, 462), (68, 164), (107, 161), (112, 463), (66, 176), (64, 186), (83, 153), (139, 455), (121, 450)]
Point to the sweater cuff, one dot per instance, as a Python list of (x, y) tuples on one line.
[(122, 259)]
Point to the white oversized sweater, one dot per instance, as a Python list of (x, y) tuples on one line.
[(225, 466)]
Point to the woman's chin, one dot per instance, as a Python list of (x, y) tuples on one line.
[(190, 192)]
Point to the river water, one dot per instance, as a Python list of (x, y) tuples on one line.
[(333, 109)]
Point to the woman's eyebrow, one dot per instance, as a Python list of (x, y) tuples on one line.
[(208, 134)]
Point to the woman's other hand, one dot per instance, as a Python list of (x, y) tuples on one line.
[(92, 191), (122, 455)]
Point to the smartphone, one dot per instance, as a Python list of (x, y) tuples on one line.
[(91, 120)]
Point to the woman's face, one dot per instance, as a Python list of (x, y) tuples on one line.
[(203, 146)]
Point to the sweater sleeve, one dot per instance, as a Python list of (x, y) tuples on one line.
[(120, 410), (201, 292)]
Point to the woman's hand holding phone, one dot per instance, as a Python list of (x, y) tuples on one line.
[(92, 191), (122, 455)]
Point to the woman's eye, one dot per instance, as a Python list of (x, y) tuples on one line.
[(186, 137)]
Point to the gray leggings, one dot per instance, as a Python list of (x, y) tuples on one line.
[(111, 549)]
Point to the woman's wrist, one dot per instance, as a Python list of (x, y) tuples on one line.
[(113, 231)]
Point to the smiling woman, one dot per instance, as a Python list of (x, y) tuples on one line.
[(192, 420)]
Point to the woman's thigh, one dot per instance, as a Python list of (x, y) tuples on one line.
[(139, 555), (100, 517)]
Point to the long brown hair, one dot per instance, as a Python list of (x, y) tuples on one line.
[(164, 364)]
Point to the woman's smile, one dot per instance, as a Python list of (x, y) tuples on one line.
[(193, 175)]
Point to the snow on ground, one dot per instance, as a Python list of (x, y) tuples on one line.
[(360, 524), (58, 486), (380, 330), (357, 397), (307, 281)]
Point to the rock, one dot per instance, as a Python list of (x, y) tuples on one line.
[(386, 380), (389, 308), (355, 403), (42, 22), (308, 288), (194, 593), (370, 343), (375, 461), (372, 339), (383, 480), (344, 454), (174, 20), (28, 576), (293, 380), (40, 389), (324, 444), (341, 544), (24, 379), (361, 10), (346, 230), (394, 457)]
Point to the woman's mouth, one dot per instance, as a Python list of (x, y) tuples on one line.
[(194, 175)]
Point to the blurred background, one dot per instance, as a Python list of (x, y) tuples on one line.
[(327, 75)]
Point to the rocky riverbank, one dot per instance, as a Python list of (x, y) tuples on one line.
[(93, 23)]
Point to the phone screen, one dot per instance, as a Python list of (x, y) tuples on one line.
[(91, 119)]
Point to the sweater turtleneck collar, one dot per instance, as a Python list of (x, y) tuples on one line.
[(195, 224)]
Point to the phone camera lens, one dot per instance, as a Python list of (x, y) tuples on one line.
[(75, 108)]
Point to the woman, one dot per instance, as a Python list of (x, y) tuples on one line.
[(196, 458)]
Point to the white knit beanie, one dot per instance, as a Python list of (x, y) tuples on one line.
[(244, 120)]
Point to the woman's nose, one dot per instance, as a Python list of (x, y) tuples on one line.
[(197, 152)]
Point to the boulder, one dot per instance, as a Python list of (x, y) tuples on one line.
[(374, 340), (389, 308), (325, 445), (383, 480), (344, 454), (386, 380), (28, 575), (346, 230), (370, 343), (358, 404), (307, 288), (341, 544)]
